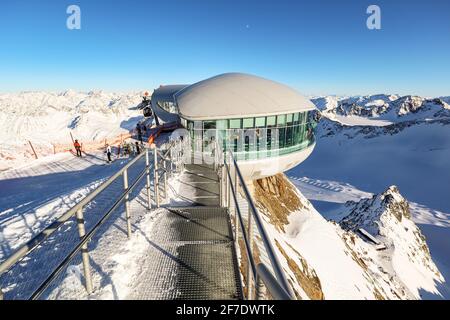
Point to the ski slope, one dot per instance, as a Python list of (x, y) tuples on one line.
[(33, 196)]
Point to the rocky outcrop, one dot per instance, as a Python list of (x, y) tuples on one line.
[(277, 197), (304, 274)]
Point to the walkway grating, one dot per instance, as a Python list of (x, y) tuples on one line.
[(192, 255)]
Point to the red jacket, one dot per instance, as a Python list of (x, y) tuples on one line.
[(77, 145)]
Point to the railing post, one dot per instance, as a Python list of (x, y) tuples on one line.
[(259, 288), (236, 218), (165, 180), (250, 243), (127, 202), (228, 187), (155, 176), (84, 251), (147, 164), (220, 174)]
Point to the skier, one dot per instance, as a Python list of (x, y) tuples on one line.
[(108, 153), (77, 146)]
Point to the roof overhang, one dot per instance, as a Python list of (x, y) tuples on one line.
[(238, 95)]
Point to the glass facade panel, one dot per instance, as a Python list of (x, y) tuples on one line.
[(281, 120), (271, 121), (256, 138), (260, 122), (235, 123), (289, 118), (248, 123)]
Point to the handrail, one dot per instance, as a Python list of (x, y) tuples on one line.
[(265, 238), (271, 283), (86, 238), (44, 234), (277, 285), (241, 223)]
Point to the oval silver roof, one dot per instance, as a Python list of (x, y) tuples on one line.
[(166, 93), (238, 95)]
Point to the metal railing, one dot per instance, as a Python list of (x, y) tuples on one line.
[(77, 211), (165, 161), (261, 271), (250, 241)]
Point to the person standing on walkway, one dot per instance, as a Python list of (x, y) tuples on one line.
[(77, 146), (139, 131), (138, 149), (108, 153)]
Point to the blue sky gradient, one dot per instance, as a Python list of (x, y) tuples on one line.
[(317, 47)]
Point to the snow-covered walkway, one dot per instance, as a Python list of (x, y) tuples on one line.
[(33, 196), (25, 212)]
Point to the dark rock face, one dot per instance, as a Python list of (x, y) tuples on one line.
[(368, 213), (277, 196)]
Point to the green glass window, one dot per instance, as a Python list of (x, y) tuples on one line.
[(281, 120), (304, 116), (271, 121), (296, 116), (282, 137), (248, 123), (260, 122), (235, 124), (289, 118), (222, 124)]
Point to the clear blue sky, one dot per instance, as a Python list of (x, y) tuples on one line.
[(318, 47)]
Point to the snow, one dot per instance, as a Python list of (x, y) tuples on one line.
[(47, 119), (122, 261), (33, 196), (360, 121)]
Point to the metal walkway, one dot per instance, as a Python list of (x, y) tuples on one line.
[(208, 243), (199, 184), (193, 257), (193, 253)]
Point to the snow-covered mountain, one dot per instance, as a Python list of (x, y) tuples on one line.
[(385, 107), (327, 260), (46, 119), (388, 108), (387, 217), (365, 145)]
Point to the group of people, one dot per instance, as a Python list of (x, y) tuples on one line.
[(128, 148), (131, 148)]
